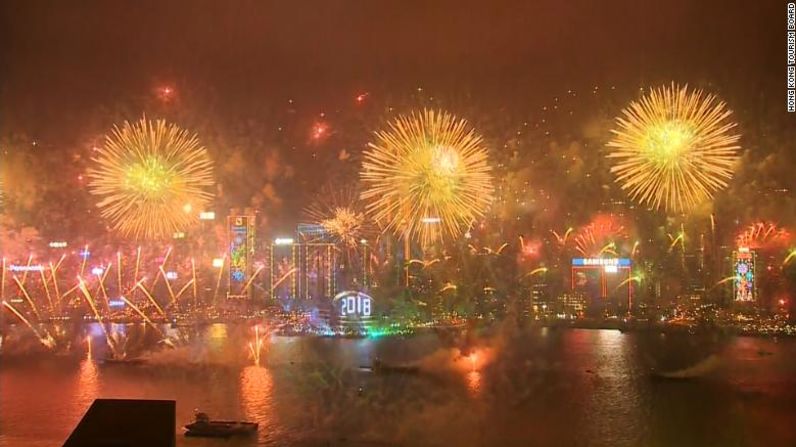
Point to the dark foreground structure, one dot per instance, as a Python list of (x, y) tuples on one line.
[(126, 423)]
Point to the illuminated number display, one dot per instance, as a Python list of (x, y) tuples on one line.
[(354, 304)]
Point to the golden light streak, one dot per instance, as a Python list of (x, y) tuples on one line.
[(427, 176), (448, 286), (168, 285), (674, 148), (93, 306), (27, 297), (162, 265), (279, 281), (535, 271), (102, 284), (218, 280), (60, 260), (423, 263), (25, 273), (256, 347), (193, 273), (137, 263), (722, 281), (120, 291), (3, 281), (46, 289), (54, 278), (183, 289), (675, 240), (142, 314), (47, 340), (562, 240), (70, 291), (609, 248), (149, 176), (254, 275), (636, 278), (85, 258), (140, 285)]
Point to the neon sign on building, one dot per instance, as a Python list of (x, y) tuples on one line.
[(744, 272)]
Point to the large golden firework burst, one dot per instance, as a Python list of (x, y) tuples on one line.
[(426, 176), (152, 179), (674, 148)]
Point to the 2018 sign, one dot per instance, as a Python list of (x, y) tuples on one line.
[(354, 304)]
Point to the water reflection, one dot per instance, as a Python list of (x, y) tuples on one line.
[(615, 400), (256, 386), (569, 387), (87, 384), (474, 382)]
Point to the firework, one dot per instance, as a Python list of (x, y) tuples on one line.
[(600, 237), (562, 240), (341, 214), (674, 148), (150, 177), (763, 235), (256, 346), (791, 255), (427, 176)]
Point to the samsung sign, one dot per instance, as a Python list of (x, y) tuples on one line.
[(616, 262)]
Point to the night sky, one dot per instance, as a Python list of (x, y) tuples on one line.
[(253, 76), (60, 59)]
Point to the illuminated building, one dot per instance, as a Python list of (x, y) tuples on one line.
[(351, 266), (618, 269), (744, 284), (571, 305), (305, 271), (241, 249)]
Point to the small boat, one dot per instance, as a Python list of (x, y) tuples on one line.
[(700, 369), (380, 367), (205, 427), (124, 361)]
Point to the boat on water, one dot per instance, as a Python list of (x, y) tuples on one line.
[(205, 427), (124, 361), (379, 367), (699, 370)]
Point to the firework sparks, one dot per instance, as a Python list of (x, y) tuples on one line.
[(763, 235), (448, 286), (536, 271), (599, 237), (256, 346), (147, 175), (340, 213), (562, 239), (674, 148), (45, 339), (790, 256), (427, 167)]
